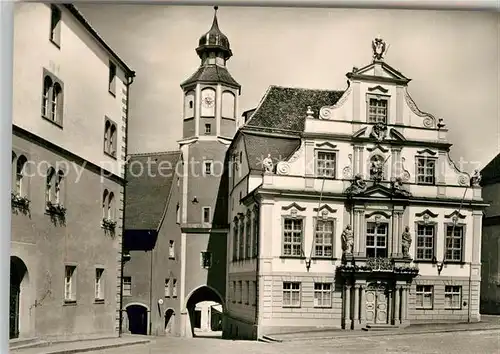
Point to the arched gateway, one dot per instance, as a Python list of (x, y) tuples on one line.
[(202, 295), (18, 280)]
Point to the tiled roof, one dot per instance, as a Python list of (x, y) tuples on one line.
[(213, 74), (259, 146), (147, 193), (284, 108), (491, 172)]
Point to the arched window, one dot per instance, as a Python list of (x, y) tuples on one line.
[(20, 169), (47, 87), (112, 147), (58, 187), (228, 102), (49, 181), (189, 104), (104, 204), (56, 102), (111, 202), (107, 127)]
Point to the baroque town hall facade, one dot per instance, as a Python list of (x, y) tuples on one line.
[(338, 209)]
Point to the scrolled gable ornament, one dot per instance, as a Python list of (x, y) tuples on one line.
[(379, 48)]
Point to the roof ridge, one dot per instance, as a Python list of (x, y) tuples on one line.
[(156, 153), (307, 89)]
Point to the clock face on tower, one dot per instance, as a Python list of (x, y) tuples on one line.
[(208, 99)]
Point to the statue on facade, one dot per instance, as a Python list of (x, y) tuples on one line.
[(475, 179), (358, 185), (379, 131), (379, 48), (268, 164), (397, 187), (376, 169), (406, 242), (347, 240)]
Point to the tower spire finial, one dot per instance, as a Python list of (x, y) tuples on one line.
[(216, 8)]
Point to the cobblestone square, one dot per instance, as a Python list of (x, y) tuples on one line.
[(471, 342)]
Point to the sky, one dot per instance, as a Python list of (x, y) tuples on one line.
[(452, 57)]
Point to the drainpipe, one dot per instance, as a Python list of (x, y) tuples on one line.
[(130, 80)]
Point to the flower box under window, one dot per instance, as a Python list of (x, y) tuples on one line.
[(108, 224), (55, 209)]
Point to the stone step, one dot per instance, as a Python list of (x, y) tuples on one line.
[(21, 343), (379, 327)]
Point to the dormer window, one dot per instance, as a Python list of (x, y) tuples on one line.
[(377, 110), (426, 170)]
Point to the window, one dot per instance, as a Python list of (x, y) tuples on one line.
[(174, 288), (376, 239), (325, 164), (424, 297), (255, 292), (208, 167), (171, 250), (127, 286), (58, 186), (248, 237), (247, 292), (99, 291), (425, 242), (322, 295), (47, 89), (452, 297), (20, 187), (292, 237), (49, 197), (206, 260), (323, 240), (206, 215), (241, 241), (108, 208), (234, 291), (426, 170), (178, 214), (52, 98), (454, 243), (240, 291), (112, 79), (69, 284), (56, 102), (377, 112), (189, 105), (255, 235), (110, 137), (291, 294), (208, 128), (55, 25), (167, 287), (235, 242)]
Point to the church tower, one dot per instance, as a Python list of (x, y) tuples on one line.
[(209, 125)]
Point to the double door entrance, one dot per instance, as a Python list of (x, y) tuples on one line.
[(377, 304)]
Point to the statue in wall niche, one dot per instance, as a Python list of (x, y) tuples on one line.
[(268, 164), (347, 240), (358, 185), (376, 169), (475, 179), (406, 242)]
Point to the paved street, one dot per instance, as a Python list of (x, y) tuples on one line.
[(480, 342)]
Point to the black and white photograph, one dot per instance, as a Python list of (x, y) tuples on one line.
[(250, 178)]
